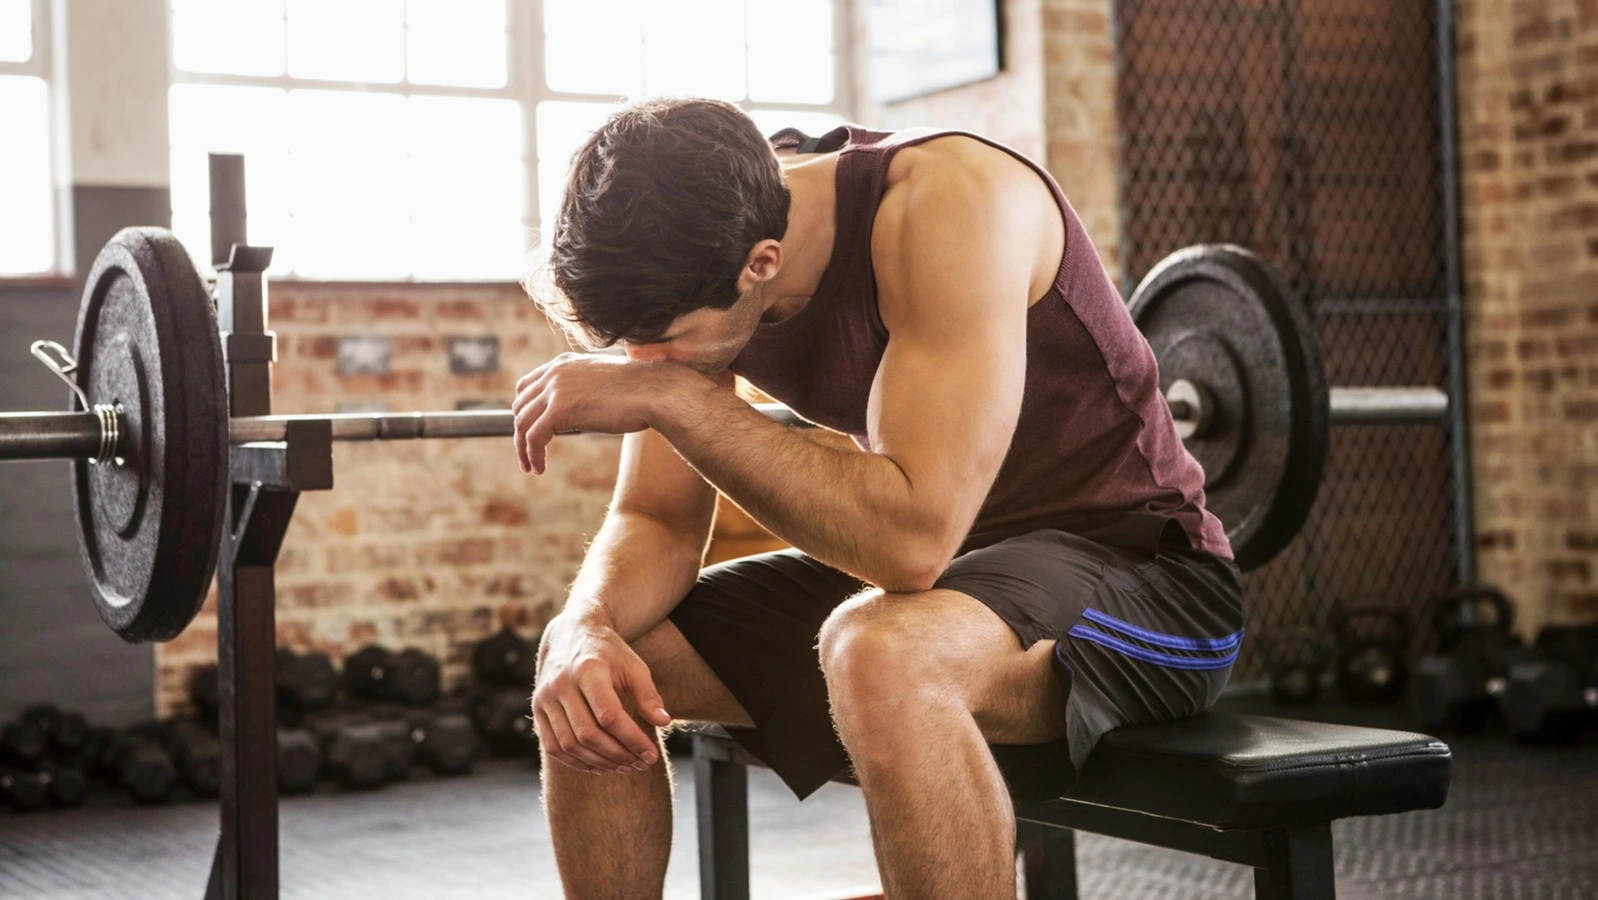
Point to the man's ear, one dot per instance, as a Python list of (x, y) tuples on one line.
[(764, 260)]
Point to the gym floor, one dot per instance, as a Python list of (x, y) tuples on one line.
[(1521, 823)]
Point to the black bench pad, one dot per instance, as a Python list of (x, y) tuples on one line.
[(1233, 771), (1229, 771)]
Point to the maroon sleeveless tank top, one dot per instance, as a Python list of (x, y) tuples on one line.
[(1094, 451)]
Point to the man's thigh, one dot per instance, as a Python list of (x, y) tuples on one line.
[(954, 643), (685, 681)]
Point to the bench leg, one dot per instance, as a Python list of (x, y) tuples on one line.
[(721, 794), (1299, 865), (1048, 861)]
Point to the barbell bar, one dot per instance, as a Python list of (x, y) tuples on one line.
[(86, 435)]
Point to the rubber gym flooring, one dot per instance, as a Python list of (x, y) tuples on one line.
[(1521, 823)]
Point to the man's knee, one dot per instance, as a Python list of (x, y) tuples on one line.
[(876, 656)]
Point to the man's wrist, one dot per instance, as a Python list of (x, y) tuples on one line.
[(681, 397), (590, 614)]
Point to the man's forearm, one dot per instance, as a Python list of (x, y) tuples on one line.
[(636, 570), (854, 511)]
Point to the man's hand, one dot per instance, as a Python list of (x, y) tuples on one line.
[(584, 670), (588, 392)]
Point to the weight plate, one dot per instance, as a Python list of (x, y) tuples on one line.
[(1217, 316), (149, 527)]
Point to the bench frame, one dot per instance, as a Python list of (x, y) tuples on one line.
[(1290, 862)]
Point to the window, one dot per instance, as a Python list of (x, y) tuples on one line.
[(429, 138), (382, 138), (27, 210), (780, 62)]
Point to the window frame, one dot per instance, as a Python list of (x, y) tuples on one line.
[(526, 83), (40, 65)]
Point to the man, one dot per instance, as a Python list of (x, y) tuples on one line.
[(1020, 557)]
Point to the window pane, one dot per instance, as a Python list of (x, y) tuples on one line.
[(804, 26), (27, 222), (252, 121), (814, 124), (561, 128), (16, 31), (787, 76), (462, 42), (617, 19), (346, 184), (239, 37), (467, 187), (347, 40), (596, 64), (695, 48)]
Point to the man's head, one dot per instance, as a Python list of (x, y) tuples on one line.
[(667, 233)]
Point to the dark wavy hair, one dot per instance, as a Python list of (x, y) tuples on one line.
[(661, 207)]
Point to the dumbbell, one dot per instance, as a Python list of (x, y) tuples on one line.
[(505, 659), (446, 743), (64, 730), (1297, 658), (305, 682), (359, 753), (142, 767), (196, 753), (410, 677), (68, 786), (1554, 697), (1459, 690), (22, 745), (24, 791), (503, 718), (1370, 654), (299, 761)]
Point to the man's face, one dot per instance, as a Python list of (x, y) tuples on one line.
[(707, 340)]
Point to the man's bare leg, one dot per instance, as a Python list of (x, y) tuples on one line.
[(920, 684), (612, 832)]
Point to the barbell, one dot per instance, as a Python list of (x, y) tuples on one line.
[(149, 433)]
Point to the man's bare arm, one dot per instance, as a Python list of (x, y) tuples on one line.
[(647, 553), (953, 261)]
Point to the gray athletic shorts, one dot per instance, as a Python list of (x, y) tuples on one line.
[(1147, 629)]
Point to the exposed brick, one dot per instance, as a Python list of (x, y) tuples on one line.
[(1581, 346), (1582, 410), (318, 347), (462, 552), (1569, 570), (1532, 349), (392, 309), (316, 594), (505, 512), (459, 311), (1496, 540), (1582, 606), (1547, 317), (343, 522)]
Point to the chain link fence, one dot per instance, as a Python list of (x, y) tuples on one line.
[(1312, 132)]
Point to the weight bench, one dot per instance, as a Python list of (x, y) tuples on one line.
[(1254, 790)]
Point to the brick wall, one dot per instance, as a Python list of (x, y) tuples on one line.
[(426, 543), (1079, 117), (1528, 129)]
